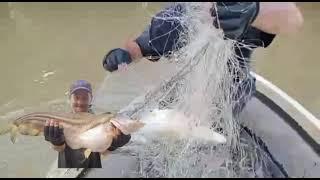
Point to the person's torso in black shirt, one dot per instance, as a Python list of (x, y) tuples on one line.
[(74, 158)]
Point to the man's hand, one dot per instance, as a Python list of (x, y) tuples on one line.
[(53, 133), (119, 139), (234, 17), (116, 59)]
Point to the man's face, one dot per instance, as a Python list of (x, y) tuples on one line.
[(80, 101)]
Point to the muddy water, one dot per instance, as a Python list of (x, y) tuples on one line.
[(45, 46), (292, 63)]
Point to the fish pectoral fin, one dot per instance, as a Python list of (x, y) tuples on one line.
[(87, 153)]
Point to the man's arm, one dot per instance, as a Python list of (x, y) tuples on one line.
[(141, 46), (278, 18), (269, 17), (147, 46), (133, 48), (119, 140)]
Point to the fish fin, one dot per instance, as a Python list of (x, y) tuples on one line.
[(14, 133), (87, 153)]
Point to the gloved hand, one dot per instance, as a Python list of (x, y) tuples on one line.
[(114, 58), (119, 141), (53, 133), (234, 17)]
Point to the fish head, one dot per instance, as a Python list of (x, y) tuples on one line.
[(126, 125)]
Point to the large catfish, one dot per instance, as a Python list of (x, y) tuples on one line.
[(81, 130)]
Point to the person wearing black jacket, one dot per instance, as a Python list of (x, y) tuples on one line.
[(253, 24)]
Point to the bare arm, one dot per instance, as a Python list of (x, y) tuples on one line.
[(134, 49), (273, 18), (278, 18)]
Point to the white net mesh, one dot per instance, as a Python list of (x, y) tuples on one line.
[(205, 90)]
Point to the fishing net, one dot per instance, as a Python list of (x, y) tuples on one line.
[(208, 88)]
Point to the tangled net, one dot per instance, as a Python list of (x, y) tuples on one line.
[(209, 86)]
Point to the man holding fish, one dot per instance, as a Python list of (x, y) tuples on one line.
[(80, 96), (261, 21)]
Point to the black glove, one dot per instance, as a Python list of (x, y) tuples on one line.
[(114, 58), (54, 134), (234, 17)]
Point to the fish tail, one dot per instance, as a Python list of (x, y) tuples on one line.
[(13, 133), (5, 129), (10, 128)]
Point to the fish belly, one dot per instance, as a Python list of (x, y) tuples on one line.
[(97, 139)]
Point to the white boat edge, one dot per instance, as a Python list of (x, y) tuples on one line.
[(302, 116)]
